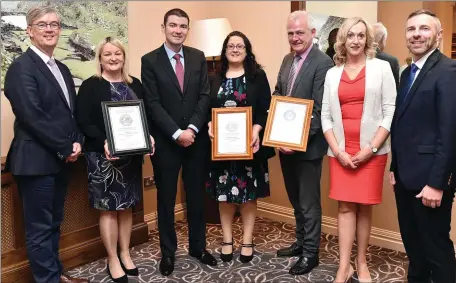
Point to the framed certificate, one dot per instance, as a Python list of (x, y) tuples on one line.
[(126, 127), (288, 123), (232, 128)]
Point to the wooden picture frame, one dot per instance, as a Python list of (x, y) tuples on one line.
[(126, 127), (288, 123), (232, 129)]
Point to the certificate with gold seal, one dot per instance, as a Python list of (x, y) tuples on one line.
[(126, 126), (232, 129), (288, 123)]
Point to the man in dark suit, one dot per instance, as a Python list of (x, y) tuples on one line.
[(380, 37), (302, 75), (423, 135), (177, 101), (46, 140)]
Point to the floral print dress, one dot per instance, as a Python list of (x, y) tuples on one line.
[(236, 181), (115, 185)]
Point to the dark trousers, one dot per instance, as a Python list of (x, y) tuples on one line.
[(302, 182), (167, 165), (425, 233), (43, 199)]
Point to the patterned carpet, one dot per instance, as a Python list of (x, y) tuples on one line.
[(385, 265)]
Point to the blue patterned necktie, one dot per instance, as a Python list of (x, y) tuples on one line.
[(413, 69)]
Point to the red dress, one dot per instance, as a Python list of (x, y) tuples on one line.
[(364, 184)]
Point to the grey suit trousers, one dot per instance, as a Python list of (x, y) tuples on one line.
[(302, 182)]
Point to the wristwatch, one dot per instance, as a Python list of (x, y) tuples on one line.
[(374, 149)]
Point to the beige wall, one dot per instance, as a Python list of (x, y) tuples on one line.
[(345, 9)]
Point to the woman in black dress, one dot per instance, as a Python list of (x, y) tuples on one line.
[(241, 82), (115, 184)]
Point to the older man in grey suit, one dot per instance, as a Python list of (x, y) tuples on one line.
[(302, 75)]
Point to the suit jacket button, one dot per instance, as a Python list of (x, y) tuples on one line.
[(185, 118)]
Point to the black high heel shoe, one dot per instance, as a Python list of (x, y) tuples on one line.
[(122, 279), (246, 258), (227, 257), (131, 272)]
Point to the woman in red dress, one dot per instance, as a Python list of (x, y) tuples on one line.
[(358, 107)]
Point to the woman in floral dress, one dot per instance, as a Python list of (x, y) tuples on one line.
[(241, 83)]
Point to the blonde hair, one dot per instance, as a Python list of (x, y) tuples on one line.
[(117, 43), (39, 11), (341, 52)]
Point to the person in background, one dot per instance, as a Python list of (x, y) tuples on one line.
[(380, 37), (331, 41), (177, 101), (423, 139), (241, 83), (302, 75), (115, 184), (358, 107), (46, 141)]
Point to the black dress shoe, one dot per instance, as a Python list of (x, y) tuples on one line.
[(246, 258), (131, 272), (121, 279), (204, 257), (227, 257), (304, 265), (293, 250), (166, 265)]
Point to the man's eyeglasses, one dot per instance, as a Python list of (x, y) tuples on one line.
[(232, 46), (43, 25)]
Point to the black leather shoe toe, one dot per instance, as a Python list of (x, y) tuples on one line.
[(204, 257), (304, 265), (293, 250), (166, 266)]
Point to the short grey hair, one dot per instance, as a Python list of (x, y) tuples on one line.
[(303, 14), (39, 11), (380, 32)]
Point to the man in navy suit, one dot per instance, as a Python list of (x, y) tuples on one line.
[(46, 141), (423, 135), (177, 99)]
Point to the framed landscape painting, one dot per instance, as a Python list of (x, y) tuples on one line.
[(84, 25)]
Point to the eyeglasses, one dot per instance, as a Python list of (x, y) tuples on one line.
[(43, 25), (238, 47)]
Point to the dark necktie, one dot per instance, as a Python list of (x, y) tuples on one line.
[(291, 76), (179, 71), (413, 69)]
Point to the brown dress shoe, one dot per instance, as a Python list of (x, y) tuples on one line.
[(67, 279)]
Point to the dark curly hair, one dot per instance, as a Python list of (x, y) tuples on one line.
[(251, 66)]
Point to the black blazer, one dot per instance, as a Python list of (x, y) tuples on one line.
[(88, 111), (394, 63), (44, 128), (423, 132), (167, 107), (258, 96)]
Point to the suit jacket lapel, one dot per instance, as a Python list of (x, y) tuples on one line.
[(287, 69), (371, 75), (430, 62), (301, 72), (69, 86), (48, 74), (187, 71), (166, 63)]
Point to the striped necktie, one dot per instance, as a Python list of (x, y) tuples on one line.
[(291, 76)]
